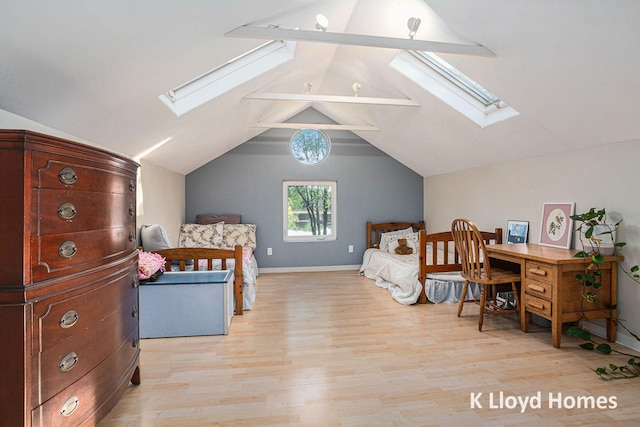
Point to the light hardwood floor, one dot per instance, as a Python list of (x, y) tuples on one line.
[(332, 349)]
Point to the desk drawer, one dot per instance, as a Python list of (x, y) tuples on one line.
[(537, 305), (538, 271), (539, 289)]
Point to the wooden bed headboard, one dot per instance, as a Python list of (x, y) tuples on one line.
[(374, 231)]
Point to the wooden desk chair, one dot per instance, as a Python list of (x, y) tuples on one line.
[(476, 268)]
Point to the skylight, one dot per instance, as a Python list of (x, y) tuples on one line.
[(237, 71), (452, 86)]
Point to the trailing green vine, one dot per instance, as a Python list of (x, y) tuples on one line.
[(591, 279), (613, 372)]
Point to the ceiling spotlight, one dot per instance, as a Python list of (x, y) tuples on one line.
[(413, 24), (356, 88), (322, 23)]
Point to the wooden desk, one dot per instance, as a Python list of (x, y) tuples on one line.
[(549, 287)]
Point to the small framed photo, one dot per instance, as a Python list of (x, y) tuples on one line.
[(557, 225), (517, 231)]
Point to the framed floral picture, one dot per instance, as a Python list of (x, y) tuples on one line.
[(557, 224), (517, 231)]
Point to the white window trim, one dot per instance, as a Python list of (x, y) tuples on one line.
[(442, 88), (285, 209), (230, 75)]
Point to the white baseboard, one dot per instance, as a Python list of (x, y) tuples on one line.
[(621, 338), (308, 269)]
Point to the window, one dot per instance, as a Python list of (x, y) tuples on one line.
[(451, 86), (309, 211), (458, 78), (230, 75), (310, 146)]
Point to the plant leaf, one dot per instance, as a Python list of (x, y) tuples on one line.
[(604, 348), (587, 346), (575, 331)]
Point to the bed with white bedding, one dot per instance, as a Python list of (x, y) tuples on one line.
[(218, 235), (221, 235), (430, 273)]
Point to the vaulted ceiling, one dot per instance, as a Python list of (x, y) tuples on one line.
[(94, 69)]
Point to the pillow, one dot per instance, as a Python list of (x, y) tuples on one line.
[(201, 236), (386, 238), (153, 238), (214, 219), (239, 234)]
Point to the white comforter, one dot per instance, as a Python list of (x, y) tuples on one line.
[(399, 275), (396, 273)]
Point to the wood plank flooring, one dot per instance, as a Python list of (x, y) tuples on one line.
[(332, 349)]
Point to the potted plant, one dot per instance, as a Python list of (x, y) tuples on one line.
[(596, 234), (597, 238)]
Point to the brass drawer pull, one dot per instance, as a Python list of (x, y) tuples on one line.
[(132, 210), (132, 236), (67, 211), (69, 406), (135, 282), (67, 249), (537, 271), (68, 176), (132, 186), (69, 319), (534, 304), (134, 342), (68, 362), (134, 311), (536, 288)]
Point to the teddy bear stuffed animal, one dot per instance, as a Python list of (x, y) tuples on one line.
[(402, 248)]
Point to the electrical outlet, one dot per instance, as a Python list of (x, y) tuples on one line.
[(269, 251), (350, 249)]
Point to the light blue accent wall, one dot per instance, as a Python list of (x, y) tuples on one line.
[(248, 180)]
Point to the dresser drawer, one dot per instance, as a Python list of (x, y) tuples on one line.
[(58, 254), (60, 319), (536, 305), (82, 398), (539, 289), (65, 211), (538, 271), (64, 364), (62, 172)]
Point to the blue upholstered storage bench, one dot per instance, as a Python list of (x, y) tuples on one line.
[(182, 304)]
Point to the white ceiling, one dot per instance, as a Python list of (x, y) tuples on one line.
[(94, 69)]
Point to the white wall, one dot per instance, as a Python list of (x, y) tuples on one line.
[(603, 177), (161, 199), (13, 121)]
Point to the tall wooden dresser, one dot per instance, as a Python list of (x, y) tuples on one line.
[(68, 280)]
